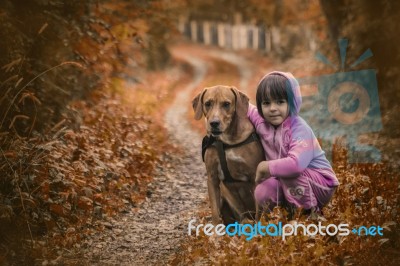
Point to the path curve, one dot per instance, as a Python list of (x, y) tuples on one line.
[(153, 234), (245, 71)]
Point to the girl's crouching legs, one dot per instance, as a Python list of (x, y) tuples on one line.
[(268, 194)]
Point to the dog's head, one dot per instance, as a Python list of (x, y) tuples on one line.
[(220, 105)]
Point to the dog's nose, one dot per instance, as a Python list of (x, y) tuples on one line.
[(214, 124)]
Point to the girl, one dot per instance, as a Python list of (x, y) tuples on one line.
[(296, 171)]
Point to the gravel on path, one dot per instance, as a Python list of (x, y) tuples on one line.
[(153, 233)]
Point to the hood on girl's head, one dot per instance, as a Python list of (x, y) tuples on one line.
[(295, 87)]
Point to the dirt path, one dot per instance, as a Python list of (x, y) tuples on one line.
[(153, 233), (242, 65)]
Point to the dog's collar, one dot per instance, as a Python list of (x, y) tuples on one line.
[(209, 141)]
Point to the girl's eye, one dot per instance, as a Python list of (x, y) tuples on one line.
[(226, 104), (266, 103), (281, 101)]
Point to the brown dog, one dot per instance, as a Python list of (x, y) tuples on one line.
[(231, 190)]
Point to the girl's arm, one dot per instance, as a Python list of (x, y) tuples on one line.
[(301, 152), (254, 116)]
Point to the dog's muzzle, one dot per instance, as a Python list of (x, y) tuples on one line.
[(215, 128)]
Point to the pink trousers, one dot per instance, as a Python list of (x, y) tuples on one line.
[(308, 190)]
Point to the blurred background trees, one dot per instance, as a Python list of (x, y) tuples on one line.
[(101, 35)]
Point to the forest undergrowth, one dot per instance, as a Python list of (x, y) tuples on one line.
[(76, 144), (95, 163), (368, 196)]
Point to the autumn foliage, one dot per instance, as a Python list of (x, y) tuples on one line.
[(75, 148), (72, 150), (368, 195)]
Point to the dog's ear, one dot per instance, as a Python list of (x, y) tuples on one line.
[(242, 102), (197, 104)]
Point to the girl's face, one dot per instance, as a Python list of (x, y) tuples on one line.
[(275, 111)]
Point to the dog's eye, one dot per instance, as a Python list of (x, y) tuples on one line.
[(226, 104), (207, 104)]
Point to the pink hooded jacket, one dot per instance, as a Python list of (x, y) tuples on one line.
[(292, 146)]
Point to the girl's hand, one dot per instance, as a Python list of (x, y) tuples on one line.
[(262, 172)]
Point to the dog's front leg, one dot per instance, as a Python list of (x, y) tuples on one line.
[(214, 194), (214, 173)]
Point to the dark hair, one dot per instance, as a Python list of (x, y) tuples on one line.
[(275, 87)]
